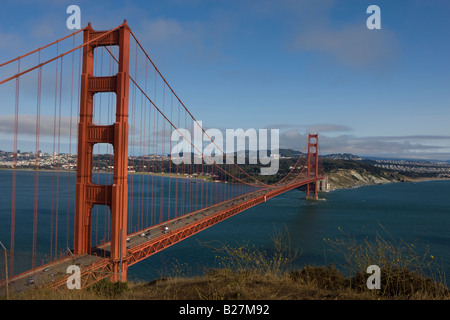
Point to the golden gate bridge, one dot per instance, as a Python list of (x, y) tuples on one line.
[(106, 96)]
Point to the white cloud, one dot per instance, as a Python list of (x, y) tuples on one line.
[(426, 146), (162, 31), (351, 45), (197, 40), (48, 126), (327, 127), (9, 44)]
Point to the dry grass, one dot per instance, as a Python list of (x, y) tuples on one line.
[(249, 273), (224, 284), (405, 273)]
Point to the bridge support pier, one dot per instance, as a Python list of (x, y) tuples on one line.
[(308, 192), (88, 194)]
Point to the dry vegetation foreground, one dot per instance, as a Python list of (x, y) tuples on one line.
[(310, 283), (250, 273)]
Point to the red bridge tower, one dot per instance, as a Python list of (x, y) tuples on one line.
[(88, 193), (313, 164)]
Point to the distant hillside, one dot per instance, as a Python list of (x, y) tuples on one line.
[(349, 173), (342, 156), (289, 153)]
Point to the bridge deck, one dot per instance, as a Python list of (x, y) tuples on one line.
[(97, 265)]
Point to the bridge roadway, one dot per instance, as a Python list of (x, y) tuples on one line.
[(140, 245)]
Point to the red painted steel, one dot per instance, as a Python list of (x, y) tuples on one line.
[(104, 268), (89, 194), (115, 195), (145, 250), (313, 164)]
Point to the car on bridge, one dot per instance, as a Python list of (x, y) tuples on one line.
[(164, 229)]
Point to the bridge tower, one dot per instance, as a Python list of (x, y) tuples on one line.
[(313, 164), (88, 194)]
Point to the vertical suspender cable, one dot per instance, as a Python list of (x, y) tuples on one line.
[(59, 158), (36, 175), (53, 155), (13, 195), (70, 145)]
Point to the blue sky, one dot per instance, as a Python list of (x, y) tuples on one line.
[(296, 65)]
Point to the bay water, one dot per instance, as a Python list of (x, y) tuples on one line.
[(416, 213)]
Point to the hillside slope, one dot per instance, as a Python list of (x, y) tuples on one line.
[(350, 178), (349, 174)]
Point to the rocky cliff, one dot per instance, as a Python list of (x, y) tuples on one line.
[(349, 178)]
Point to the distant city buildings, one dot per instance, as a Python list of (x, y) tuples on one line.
[(65, 161), (104, 162), (439, 169)]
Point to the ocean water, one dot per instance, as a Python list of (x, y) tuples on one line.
[(417, 213)]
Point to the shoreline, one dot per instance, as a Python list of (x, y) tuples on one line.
[(426, 179), (206, 178), (405, 180), (357, 184)]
